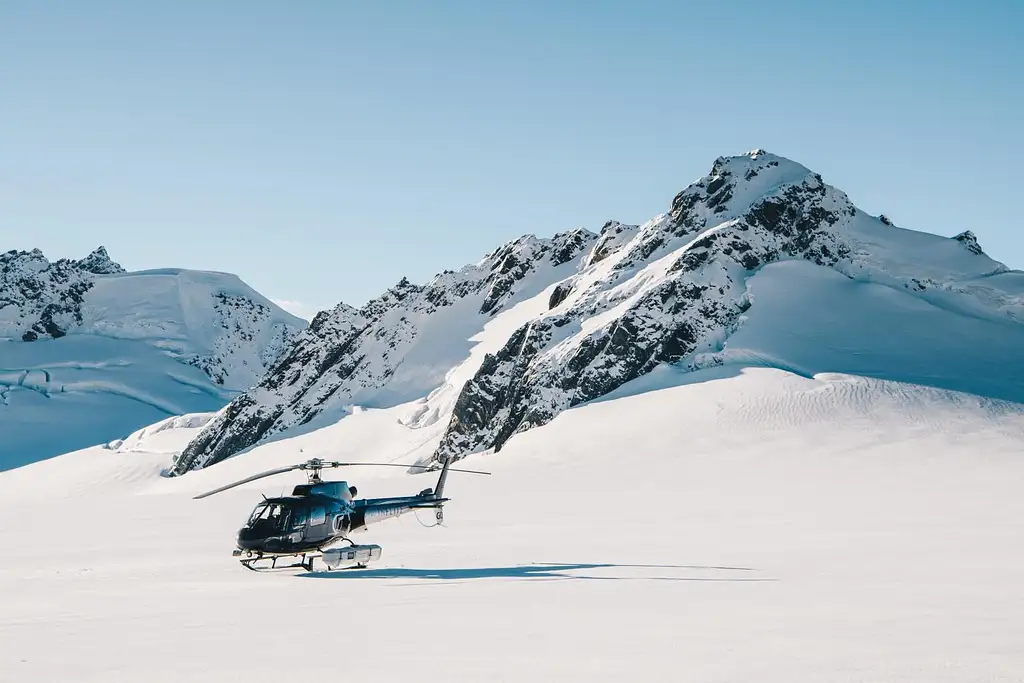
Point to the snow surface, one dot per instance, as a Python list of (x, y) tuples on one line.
[(50, 405), (209, 318), (725, 525), (148, 345)]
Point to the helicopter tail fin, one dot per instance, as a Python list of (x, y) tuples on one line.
[(439, 489)]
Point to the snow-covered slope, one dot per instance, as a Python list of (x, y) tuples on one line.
[(398, 347), (89, 352), (759, 262), (679, 289), (723, 525)]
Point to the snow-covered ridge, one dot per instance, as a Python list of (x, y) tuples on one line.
[(43, 299), (90, 352), (540, 326), (212, 321), (677, 290), (209, 320), (396, 348)]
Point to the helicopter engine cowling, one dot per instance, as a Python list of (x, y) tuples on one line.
[(332, 489)]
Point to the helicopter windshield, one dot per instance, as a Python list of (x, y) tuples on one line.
[(269, 514)]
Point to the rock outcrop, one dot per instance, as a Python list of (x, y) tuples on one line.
[(211, 321), (42, 299), (676, 287), (348, 354)]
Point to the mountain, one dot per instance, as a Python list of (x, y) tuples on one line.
[(396, 348), (89, 352), (758, 263)]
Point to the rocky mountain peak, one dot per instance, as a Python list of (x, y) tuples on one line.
[(350, 353), (100, 263), (616, 305), (969, 240), (39, 298), (674, 286), (327, 323), (212, 321)]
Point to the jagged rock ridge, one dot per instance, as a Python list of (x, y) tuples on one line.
[(347, 354), (43, 299), (691, 293), (618, 305), (212, 321)]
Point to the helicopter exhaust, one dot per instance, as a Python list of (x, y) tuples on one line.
[(351, 556)]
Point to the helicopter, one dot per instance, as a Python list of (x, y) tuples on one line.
[(320, 515)]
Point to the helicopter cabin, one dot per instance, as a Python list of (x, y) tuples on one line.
[(311, 516)]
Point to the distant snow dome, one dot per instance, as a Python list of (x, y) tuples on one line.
[(102, 352)]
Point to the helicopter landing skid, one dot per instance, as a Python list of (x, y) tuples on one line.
[(352, 556), (249, 561)]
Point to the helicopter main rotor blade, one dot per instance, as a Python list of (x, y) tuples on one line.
[(317, 464), (396, 464), (254, 477)]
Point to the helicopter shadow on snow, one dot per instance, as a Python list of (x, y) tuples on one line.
[(549, 572)]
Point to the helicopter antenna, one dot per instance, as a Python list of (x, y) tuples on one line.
[(315, 465)]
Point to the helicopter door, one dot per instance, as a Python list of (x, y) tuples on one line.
[(317, 524)]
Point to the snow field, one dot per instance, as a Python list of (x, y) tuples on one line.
[(733, 524)]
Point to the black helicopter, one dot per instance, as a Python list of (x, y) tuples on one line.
[(320, 514)]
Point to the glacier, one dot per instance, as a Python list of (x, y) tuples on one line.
[(90, 353)]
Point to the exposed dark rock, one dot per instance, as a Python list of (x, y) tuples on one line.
[(46, 299), (523, 386), (99, 263), (514, 261), (969, 240), (347, 351), (559, 294), (48, 295)]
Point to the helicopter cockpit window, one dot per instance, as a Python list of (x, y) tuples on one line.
[(270, 514), (299, 518), (317, 516), (262, 511)]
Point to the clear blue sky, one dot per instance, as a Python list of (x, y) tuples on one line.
[(324, 149)]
